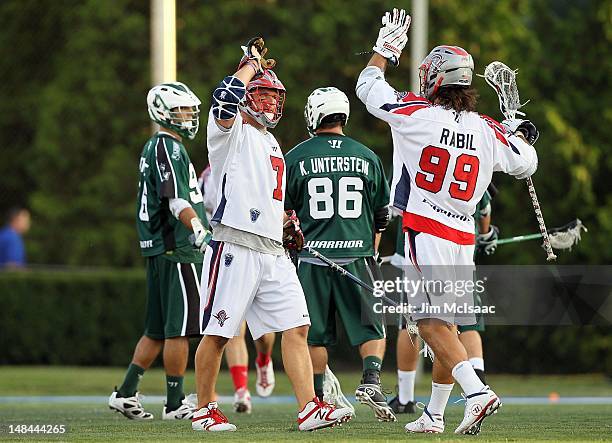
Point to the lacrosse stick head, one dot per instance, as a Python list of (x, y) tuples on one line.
[(566, 236), (503, 80)]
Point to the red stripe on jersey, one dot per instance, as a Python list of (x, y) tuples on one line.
[(498, 129), (456, 49), (428, 226), (411, 96), (409, 110)]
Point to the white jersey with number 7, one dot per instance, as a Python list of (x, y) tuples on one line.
[(443, 161), (249, 169)]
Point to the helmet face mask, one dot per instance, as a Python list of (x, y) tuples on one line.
[(323, 102), (445, 66), (265, 99), (174, 106)]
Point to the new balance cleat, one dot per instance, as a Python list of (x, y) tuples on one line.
[(478, 406), (184, 412), (426, 423), (318, 415), (211, 419), (402, 408), (371, 395), (130, 407), (265, 379), (332, 392), (242, 401)]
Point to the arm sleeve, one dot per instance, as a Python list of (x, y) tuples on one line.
[(383, 101), (172, 169), (219, 141), (511, 154), (381, 199), (291, 186)]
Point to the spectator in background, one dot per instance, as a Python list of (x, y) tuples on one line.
[(12, 250)]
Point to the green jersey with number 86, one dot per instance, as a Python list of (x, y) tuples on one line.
[(166, 172), (335, 184)]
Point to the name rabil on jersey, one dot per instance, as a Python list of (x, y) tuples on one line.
[(457, 140), (321, 165)]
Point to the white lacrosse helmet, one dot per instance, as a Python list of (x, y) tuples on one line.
[(444, 66), (323, 102), (174, 106)]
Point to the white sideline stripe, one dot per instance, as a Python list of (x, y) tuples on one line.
[(287, 399)]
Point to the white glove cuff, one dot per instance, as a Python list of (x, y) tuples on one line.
[(176, 206)]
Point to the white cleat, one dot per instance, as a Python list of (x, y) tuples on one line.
[(265, 379), (211, 419), (184, 412), (242, 401), (130, 407), (426, 423), (318, 415), (478, 406), (332, 392)]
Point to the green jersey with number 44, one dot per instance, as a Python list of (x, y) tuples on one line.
[(335, 184), (166, 172)]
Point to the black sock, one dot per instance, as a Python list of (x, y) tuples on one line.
[(481, 375)]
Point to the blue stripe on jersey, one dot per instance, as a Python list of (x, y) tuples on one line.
[(514, 148), (402, 190), (391, 106), (213, 275), (219, 212)]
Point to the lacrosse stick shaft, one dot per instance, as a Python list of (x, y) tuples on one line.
[(351, 277), (550, 255), (339, 269), (519, 238)]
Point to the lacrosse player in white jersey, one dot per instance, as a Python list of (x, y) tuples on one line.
[(444, 156), (247, 274)]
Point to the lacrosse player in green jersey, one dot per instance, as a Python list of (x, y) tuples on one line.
[(169, 214), (338, 189)]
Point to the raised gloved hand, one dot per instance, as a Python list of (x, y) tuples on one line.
[(393, 35), (254, 53), (293, 238), (201, 235), (487, 243), (525, 127)]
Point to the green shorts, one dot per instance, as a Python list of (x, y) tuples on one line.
[(480, 324), (328, 293), (173, 299)]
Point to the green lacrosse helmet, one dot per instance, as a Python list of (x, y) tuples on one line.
[(174, 106)]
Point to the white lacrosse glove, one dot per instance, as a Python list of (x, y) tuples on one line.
[(201, 235), (526, 128), (393, 35), (487, 243), (254, 53)]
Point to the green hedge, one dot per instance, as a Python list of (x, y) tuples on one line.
[(96, 318)]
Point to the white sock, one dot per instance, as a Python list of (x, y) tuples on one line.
[(439, 398), (405, 381), (477, 363), (467, 378)]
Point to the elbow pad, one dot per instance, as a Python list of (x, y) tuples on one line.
[(226, 98), (366, 80), (381, 219), (176, 206)]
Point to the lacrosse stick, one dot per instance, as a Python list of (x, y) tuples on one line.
[(351, 277), (560, 238), (503, 80)]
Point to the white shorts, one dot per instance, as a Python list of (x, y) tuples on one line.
[(240, 284), (449, 269)]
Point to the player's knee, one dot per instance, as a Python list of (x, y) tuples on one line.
[(299, 333), (215, 341)]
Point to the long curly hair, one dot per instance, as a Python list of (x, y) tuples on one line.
[(456, 98)]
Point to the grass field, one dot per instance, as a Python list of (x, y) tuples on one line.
[(95, 422)]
